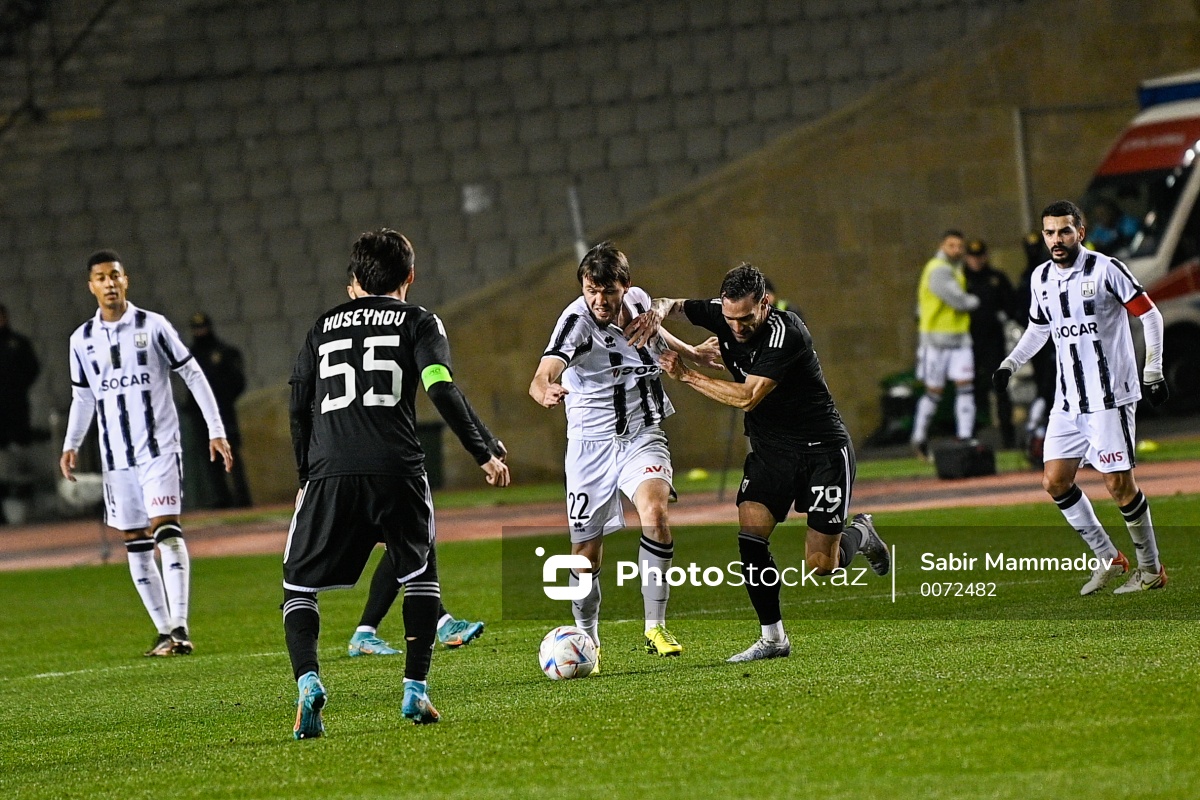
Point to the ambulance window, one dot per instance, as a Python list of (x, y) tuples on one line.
[(1189, 240)]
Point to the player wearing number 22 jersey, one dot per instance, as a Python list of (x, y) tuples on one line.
[(361, 467), (615, 443)]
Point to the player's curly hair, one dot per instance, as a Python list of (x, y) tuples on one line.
[(604, 265), (1064, 208), (381, 260), (103, 257), (744, 280)]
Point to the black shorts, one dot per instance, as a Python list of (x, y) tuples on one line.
[(338, 522), (818, 484)]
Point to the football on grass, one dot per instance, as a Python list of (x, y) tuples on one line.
[(567, 652)]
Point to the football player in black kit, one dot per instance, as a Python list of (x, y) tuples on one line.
[(361, 467), (801, 454)]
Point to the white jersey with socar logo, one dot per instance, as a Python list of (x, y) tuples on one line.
[(120, 371), (1084, 307), (613, 388)]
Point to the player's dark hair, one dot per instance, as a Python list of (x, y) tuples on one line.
[(955, 232), (382, 260), (742, 281), (604, 265), (1064, 208), (103, 257)]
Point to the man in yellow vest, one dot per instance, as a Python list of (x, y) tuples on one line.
[(944, 348)]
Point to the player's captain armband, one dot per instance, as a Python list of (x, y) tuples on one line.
[(435, 373), (1139, 305)]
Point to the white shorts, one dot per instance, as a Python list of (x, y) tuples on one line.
[(599, 472), (133, 496), (1104, 438), (936, 365)]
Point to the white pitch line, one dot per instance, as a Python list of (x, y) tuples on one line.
[(122, 667)]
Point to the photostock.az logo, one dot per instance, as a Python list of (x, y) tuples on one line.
[(576, 564)]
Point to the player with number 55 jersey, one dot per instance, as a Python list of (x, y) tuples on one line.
[(361, 467)]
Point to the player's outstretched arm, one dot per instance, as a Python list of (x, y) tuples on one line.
[(452, 404), (1152, 332), (706, 354), (545, 388), (745, 396), (645, 326), (1031, 342), (494, 445)]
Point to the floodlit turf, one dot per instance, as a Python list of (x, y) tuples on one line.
[(950, 708), (687, 482)]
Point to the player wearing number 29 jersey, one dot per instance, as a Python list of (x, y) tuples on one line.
[(361, 466), (801, 455)]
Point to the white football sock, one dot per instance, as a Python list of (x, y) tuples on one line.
[(964, 412), (1141, 530), (926, 408), (176, 571), (654, 559), (149, 583), (587, 610), (774, 632), (1080, 515), (365, 629)]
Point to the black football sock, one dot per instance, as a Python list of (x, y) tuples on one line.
[(382, 594), (301, 626), (422, 598), (420, 631), (848, 547), (764, 594)]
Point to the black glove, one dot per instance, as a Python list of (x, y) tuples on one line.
[(497, 449), (1000, 378), (1157, 392)]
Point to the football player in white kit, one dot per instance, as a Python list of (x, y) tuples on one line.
[(615, 444), (121, 360), (1083, 299)]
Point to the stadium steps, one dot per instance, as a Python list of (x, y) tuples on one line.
[(78, 91)]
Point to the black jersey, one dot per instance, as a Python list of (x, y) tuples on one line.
[(799, 412), (354, 388)]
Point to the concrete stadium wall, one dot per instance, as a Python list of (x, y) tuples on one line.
[(232, 150), (843, 213), (245, 144)]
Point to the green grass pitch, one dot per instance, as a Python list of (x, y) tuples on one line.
[(999, 704)]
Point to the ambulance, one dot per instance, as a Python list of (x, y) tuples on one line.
[(1142, 207)]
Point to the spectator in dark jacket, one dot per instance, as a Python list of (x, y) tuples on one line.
[(222, 365), (997, 305), (19, 368)]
